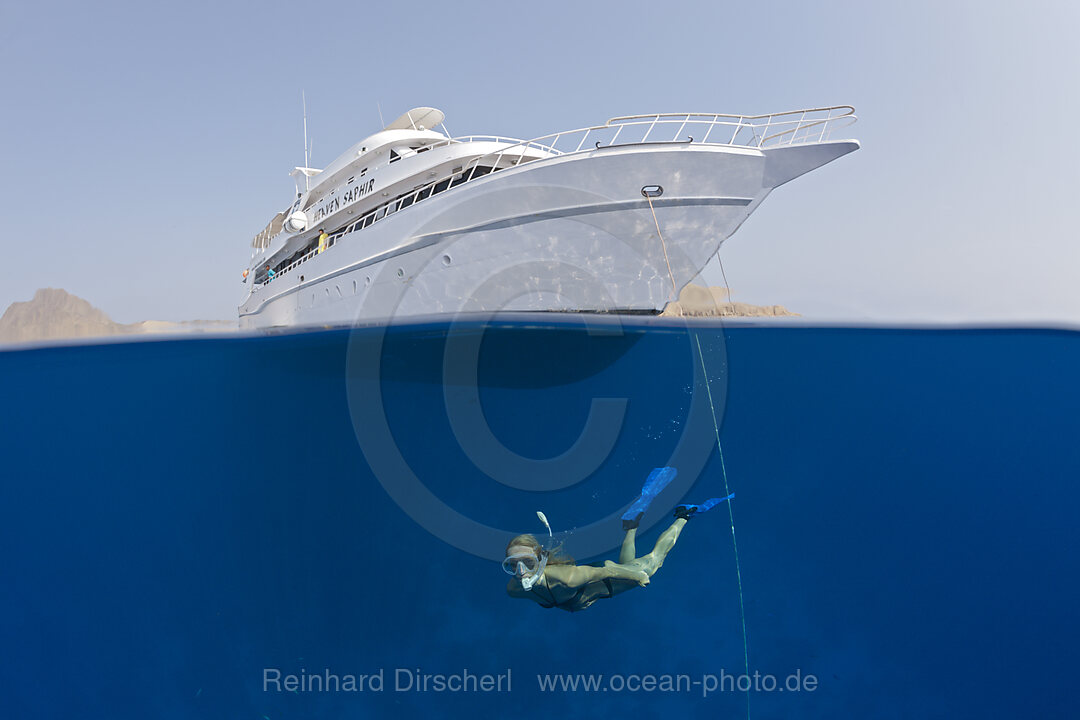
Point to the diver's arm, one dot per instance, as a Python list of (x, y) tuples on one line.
[(579, 575)]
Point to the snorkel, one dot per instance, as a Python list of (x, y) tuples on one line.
[(528, 582)]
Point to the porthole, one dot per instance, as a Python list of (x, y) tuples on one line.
[(327, 291), (446, 260), (367, 281), (338, 290), (400, 273), (353, 287)]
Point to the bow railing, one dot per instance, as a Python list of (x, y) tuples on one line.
[(794, 127)]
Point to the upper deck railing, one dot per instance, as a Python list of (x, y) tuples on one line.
[(796, 127)]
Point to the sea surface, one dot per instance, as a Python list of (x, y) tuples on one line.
[(186, 523)]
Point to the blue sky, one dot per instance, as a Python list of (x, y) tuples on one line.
[(144, 144)]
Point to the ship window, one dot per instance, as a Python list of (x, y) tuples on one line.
[(390, 206), (394, 157)]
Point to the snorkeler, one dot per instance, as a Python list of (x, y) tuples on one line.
[(551, 579)]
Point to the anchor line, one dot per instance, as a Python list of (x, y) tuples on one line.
[(731, 517), (719, 448), (674, 290)]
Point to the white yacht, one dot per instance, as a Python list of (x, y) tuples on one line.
[(611, 218)]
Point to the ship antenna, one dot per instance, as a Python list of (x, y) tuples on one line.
[(381, 123), (307, 180)]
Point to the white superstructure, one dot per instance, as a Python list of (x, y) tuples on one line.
[(616, 217)]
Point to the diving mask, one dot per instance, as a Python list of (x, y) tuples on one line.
[(525, 567)]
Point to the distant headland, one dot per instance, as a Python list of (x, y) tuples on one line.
[(55, 314), (715, 301)]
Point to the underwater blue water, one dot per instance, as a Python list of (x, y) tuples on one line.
[(177, 517)]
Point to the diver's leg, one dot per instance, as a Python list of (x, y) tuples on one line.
[(628, 552), (658, 480), (651, 563)]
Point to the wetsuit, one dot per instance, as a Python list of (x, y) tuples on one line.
[(585, 596)]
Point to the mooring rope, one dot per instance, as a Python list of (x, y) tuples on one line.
[(730, 297), (674, 290), (719, 448)]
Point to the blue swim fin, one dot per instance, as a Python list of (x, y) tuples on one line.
[(688, 511), (658, 480)]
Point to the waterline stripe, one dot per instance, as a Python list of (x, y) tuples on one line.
[(592, 209)]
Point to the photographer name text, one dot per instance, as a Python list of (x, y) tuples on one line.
[(396, 679)]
